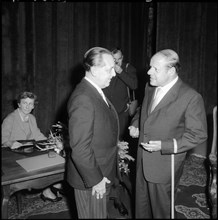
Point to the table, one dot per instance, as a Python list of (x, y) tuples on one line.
[(15, 177)]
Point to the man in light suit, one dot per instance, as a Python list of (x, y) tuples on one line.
[(93, 131), (175, 124)]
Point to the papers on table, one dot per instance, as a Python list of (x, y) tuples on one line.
[(40, 162)]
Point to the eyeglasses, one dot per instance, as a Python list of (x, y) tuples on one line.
[(29, 104)]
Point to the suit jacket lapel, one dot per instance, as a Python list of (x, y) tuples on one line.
[(101, 100), (150, 99), (169, 97), (111, 107), (95, 91)]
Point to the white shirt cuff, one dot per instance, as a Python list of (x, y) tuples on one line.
[(175, 146)]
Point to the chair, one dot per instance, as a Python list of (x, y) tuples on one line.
[(213, 167)]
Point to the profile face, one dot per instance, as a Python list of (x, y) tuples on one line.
[(26, 105), (105, 73), (159, 71)]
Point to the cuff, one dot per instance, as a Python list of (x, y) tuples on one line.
[(175, 146)]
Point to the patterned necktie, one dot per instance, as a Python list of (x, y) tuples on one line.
[(156, 98)]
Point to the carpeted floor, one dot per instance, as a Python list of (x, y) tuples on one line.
[(34, 208), (191, 203), (192, 198)]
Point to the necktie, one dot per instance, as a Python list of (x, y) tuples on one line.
[(156, 98), (103, 96)]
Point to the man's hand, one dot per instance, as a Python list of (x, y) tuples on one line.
[(118, 69), (152, 146), (133, 131), (100, 188)]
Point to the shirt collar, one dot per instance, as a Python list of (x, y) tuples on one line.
[(95, 85), (167, 87)]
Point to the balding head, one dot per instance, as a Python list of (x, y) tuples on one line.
[(170, 57), (164, 67), (93, 57)]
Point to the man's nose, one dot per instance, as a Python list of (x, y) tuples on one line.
[(149, 72)]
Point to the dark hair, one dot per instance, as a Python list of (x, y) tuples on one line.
[(93, 57), (24, 95), (115, 50)]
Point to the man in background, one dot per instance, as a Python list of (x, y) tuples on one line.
[(117, 91)]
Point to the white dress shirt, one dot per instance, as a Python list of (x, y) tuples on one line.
[(98, 88)]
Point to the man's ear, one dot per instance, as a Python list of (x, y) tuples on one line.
[(172, 70), (93, 70)]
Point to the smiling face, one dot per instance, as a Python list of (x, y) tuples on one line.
[(159, 71), (103, 74), (26, 105)]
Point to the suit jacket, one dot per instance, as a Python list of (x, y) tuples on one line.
[(12, 128), (180, 115), (117, 90), (93, 132)]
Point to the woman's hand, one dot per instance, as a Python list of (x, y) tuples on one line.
[(16, 145)]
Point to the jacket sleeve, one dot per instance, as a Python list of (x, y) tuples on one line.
[(81, 125), (129, 77), (136, 118), (7, 125), (37, 134), (195, 132)]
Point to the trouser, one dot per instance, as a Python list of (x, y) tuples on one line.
[(153, 200), (88, 206)]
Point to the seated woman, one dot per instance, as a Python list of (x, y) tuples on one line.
[(21, 125)]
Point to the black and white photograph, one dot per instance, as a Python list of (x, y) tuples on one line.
[(108, 110)]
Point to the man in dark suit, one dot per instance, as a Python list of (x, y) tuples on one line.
[(117, 93), (117, 90), (171, 123), (93, 131)]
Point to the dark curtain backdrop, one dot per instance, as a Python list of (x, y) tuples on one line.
[(43, 46), (190, 28)]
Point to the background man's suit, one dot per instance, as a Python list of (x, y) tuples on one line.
[(117, 93)]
